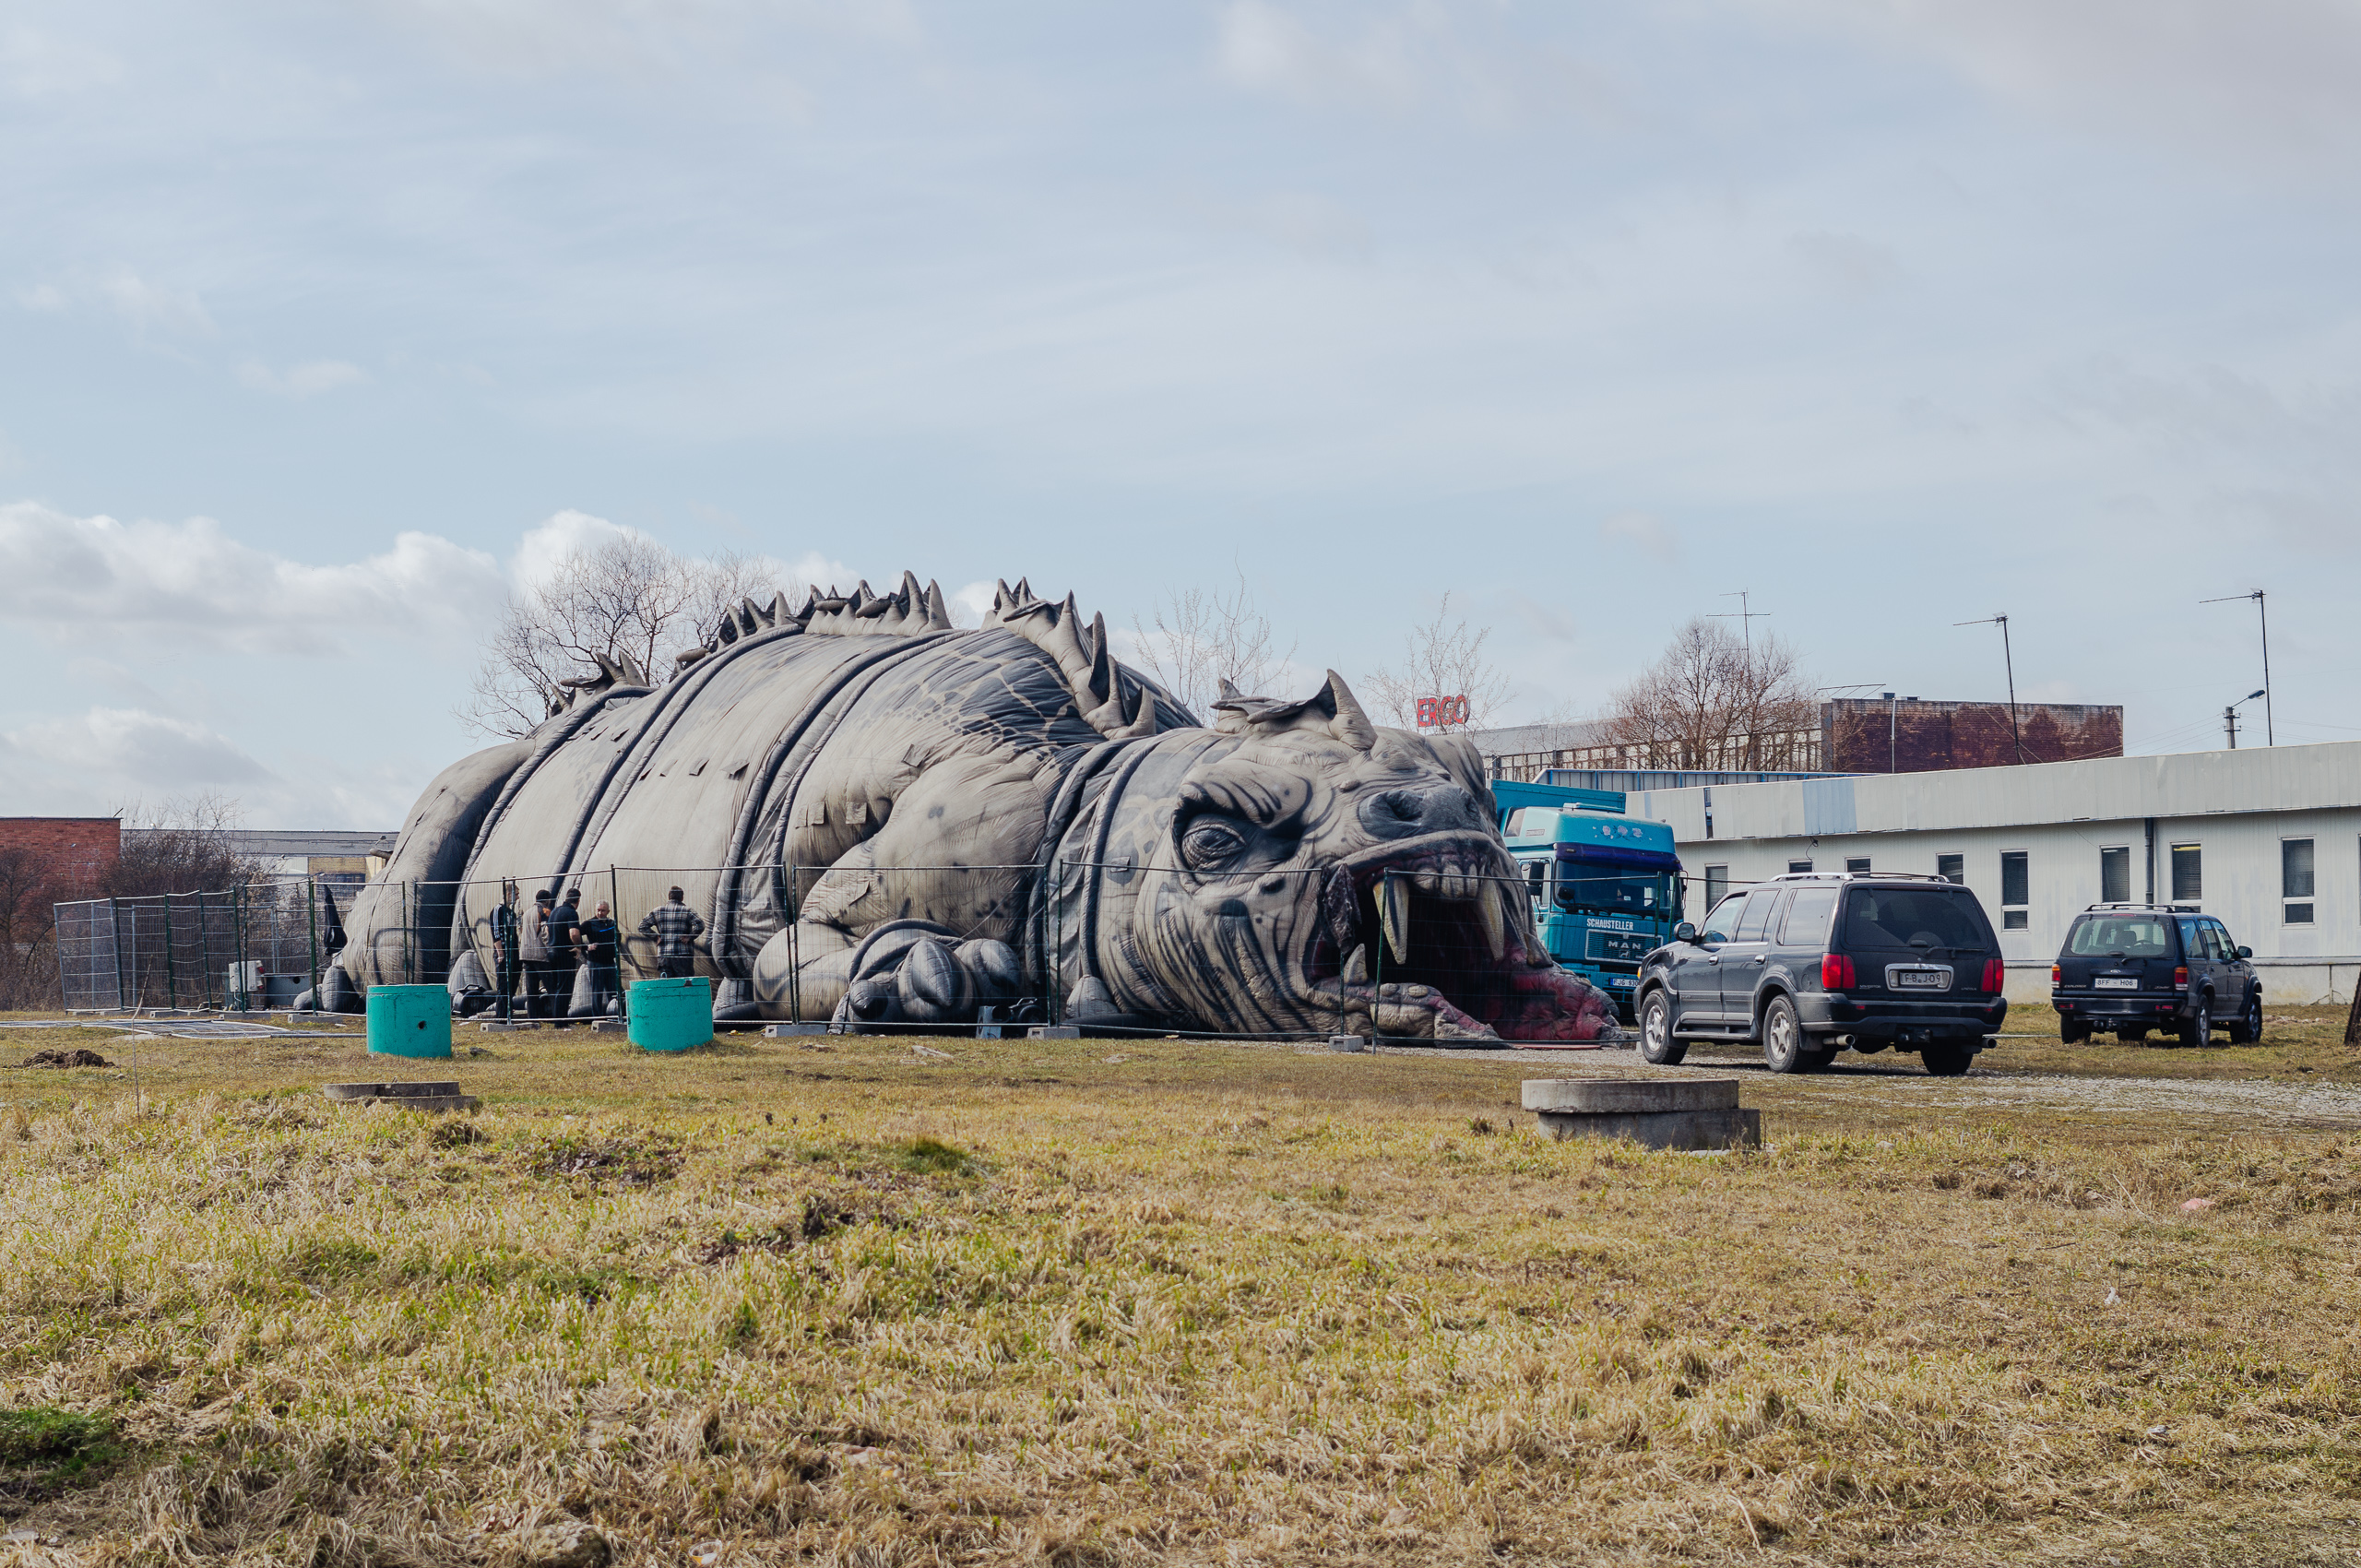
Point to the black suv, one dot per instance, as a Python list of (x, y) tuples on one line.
[(1816, 961), (2133, 967)]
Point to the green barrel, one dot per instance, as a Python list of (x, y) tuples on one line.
[(409, 1020), (670, 1015)]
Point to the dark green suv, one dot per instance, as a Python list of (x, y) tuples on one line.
[(2133, 967)]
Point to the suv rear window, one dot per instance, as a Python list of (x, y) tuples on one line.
[(1913, 917), (2104, 936)]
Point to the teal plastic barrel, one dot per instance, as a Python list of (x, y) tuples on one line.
[(670, 1015), (409, 1020)]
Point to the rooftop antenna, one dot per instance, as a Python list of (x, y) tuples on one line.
[(1746, 617), (2009, 659), (2268, 739)]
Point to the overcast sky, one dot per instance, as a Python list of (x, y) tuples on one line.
[(321, 327)]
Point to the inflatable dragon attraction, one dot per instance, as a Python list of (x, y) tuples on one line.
[(913, 821)]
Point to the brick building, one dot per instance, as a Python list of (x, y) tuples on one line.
[(1906, 735), (76, 852)]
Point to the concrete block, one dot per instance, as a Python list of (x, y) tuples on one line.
[(783, 1031), (1347, 1043), (497, 1027), (1630, 1095), (1733, 1128), (1054, 1031), (437, 1095), (609, 1026)]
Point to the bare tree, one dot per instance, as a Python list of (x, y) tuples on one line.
[(629, 598), (1713, 700), (1442, 658), (181, 846), (1203, 637)]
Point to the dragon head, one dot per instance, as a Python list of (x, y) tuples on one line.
[(1297, 869)]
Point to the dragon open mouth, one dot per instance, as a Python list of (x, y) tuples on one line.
[(1432, 937)]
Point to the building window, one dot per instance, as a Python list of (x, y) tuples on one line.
[(1717, 887), (2188, 874), (1858, 865), (1798, 865), (2016, 883), (1952, 869), (2115, 875), (2295, 880)]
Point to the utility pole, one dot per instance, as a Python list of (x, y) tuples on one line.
[(2270, 732), (2009, 660), (2230, 723), (1892, 752)]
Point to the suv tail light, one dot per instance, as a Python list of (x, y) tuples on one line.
[(1996, 975), (2057, 976), (1835, 972), (2180, 978)]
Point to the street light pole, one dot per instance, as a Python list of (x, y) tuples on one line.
[(2010, 662), (2270, 732)]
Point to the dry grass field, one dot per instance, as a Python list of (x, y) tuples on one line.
[(1157, 1302)]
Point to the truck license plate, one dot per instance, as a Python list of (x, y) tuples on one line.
[(2116, 982), (1922, 979)]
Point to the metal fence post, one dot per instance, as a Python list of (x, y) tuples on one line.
[(1377, 965), (172, 970), (794, 941), (1056, 966), (238, 915), (114, 940), (615, 913), (312, 931), (205, 949)]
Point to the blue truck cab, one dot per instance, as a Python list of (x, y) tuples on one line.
[(1607, 888)]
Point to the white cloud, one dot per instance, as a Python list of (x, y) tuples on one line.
[(638, 38), (38, 65), (1263, 48), (306, 380), (2272, 72), (970, 604), (47, 298), (557, 540), (130, 749), (1652, 535), (1848, 263), (147, 307), (190, 580)]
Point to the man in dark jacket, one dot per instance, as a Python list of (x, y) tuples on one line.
[(565, 955), (594, 939), (675, 928)]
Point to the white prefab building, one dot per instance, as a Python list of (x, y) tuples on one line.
[(2267, 838)]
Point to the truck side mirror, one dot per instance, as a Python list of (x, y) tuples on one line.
[(2246, 952), (1684, 932)]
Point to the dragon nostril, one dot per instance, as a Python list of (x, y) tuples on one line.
[(1232, 909), (1393, 813)]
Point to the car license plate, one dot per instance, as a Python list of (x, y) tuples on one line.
[(2116, 982), (1922, 979)]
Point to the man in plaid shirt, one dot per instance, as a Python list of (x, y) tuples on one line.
[(675, 927)]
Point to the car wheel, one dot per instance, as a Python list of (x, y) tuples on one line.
[(2073, 1031), (1946, 1061), (1783, 1047), (2198, 1028), (1657, 1048), (2247, 1028)]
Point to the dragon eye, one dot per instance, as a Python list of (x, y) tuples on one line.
[(1209, 843)]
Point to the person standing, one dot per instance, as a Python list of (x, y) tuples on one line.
[(597, 939), (565, 953), (533, 954), (675, 928)]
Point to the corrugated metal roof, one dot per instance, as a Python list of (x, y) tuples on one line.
[(2258, 779)]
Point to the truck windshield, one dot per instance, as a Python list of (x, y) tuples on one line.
[(1613, 890)]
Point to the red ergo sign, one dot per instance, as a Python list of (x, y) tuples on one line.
[(1434, 712)]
